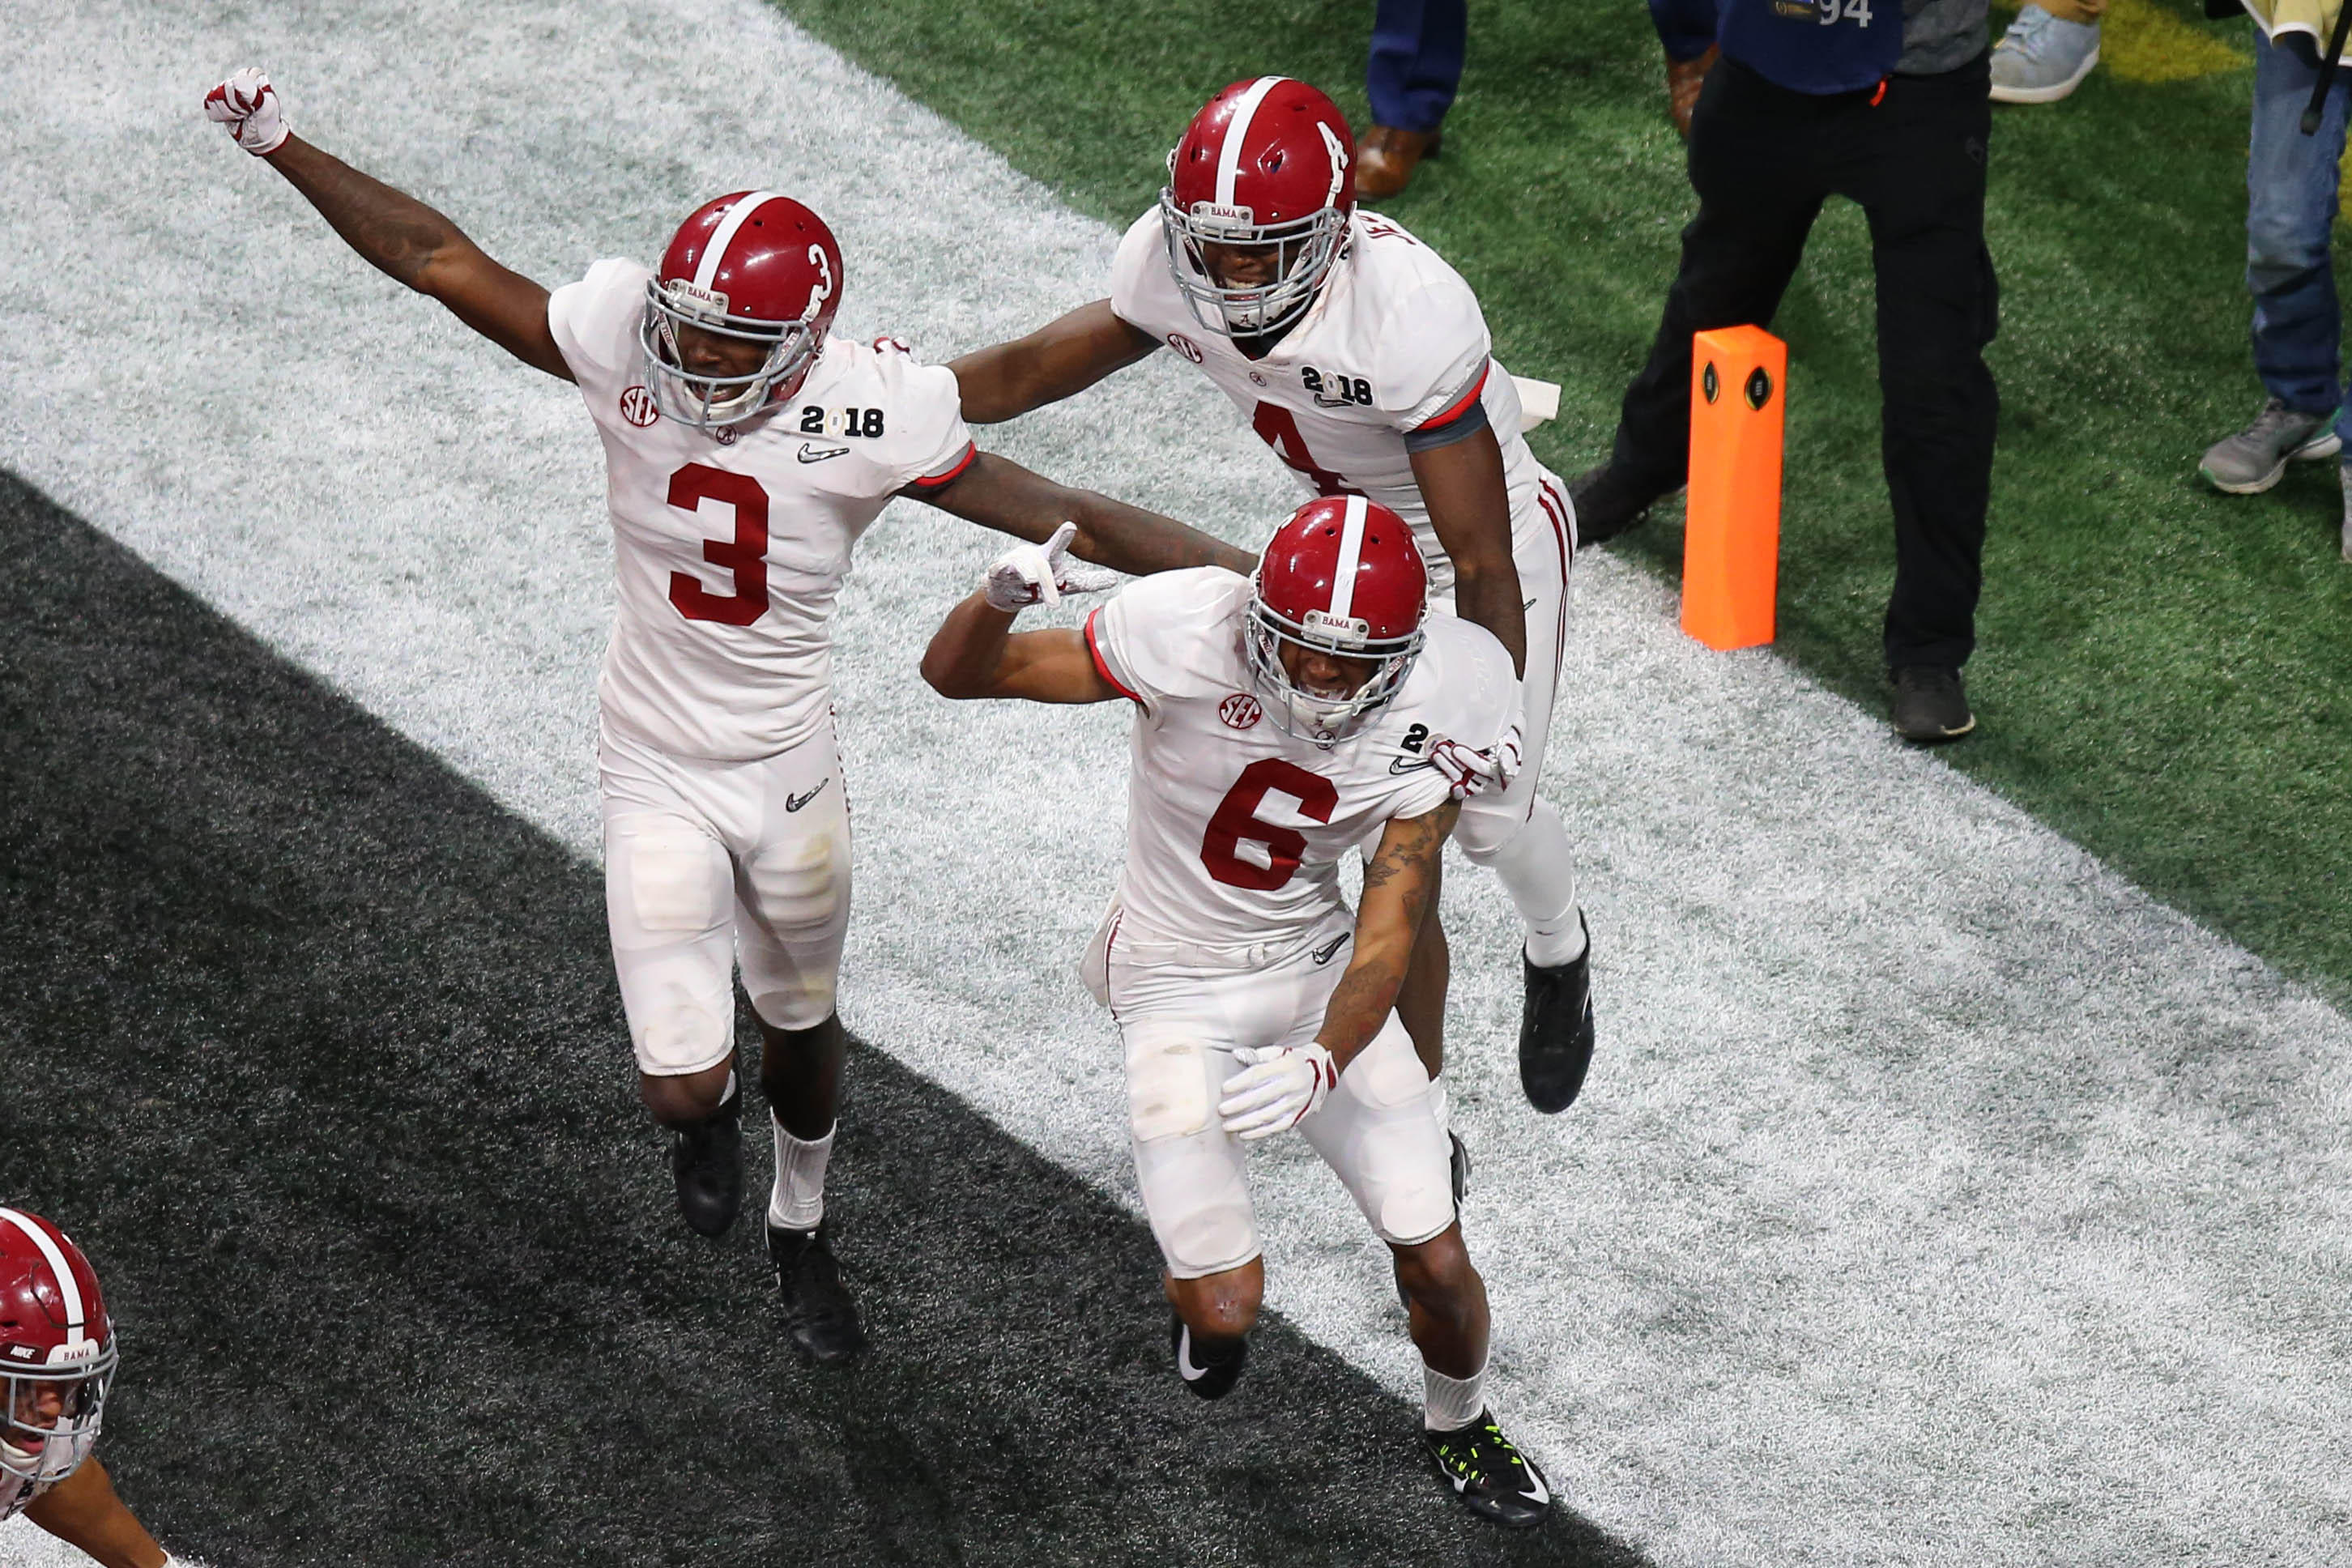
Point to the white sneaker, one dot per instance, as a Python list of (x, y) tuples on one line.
[(2041, 59)]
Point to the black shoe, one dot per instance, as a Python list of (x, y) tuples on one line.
[(818, 1312), (1930, 704), (1609, 502), (1556, 1029), (1211, 1377), (708, 1161), (1494, 1479), (1459, 1163)]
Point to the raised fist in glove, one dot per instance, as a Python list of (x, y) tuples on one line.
[(1041, 574), (248, 106), (1489, 771), (1278, 1088)]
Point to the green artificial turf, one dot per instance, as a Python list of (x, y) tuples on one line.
[(2162, 674)]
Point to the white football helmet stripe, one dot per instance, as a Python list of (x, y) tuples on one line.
[(1351, 555), (67, 1285), (1229, 155), (724, 236)]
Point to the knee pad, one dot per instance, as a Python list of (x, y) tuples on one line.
[(800, 883), (1484, 832)]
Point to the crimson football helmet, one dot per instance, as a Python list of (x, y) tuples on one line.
[(1341, 578), (56, 1358), (755, 267), (1268, 162)]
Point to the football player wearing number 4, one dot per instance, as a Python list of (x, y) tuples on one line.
[(1362, 359), (1279, 722), (746, 450)]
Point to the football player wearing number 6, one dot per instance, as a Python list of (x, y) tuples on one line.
[(746, 450), (1362, 359), (1279, 722)]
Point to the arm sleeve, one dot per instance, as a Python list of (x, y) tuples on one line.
[(1141, 250), (1148, 638), (933, 446), (594, 321), (1430, 366)]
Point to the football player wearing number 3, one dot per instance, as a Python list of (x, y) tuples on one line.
[(1361, 358), (1279, 722), (746, 450)]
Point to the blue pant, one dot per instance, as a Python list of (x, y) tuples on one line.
[(2290, 212), (1416, 61)]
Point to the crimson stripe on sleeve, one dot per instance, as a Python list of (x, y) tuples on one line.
[(1461, 404), (933, 481), (1102, 669)]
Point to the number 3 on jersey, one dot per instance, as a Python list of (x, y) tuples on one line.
[(745, 556), (1278, 429), (1236, 823)]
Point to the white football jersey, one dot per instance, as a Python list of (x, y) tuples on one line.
[(1393, 344), (1234, 828), (731, 546)]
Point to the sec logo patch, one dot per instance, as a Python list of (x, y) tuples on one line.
[(637, 406), (1240, 711), (1185, 346)]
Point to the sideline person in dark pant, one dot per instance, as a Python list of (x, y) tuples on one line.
[(1410, 77), (1911, 152)]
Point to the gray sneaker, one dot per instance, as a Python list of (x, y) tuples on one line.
[(2251, 461), (2041, 59)]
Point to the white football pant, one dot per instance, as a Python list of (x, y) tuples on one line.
[(709, 862), (1180, 1010)]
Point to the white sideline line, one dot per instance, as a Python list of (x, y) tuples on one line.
[(1940, 1198)]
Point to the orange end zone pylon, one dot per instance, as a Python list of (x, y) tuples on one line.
[(1731, 536)]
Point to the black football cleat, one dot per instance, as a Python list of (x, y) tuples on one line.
[(707, 1158), (1610, 501), (819, 1314), (1210, 1377), (1556, 1030), (1493, 1478)]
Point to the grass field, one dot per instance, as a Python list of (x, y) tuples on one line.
[(2163, 674)]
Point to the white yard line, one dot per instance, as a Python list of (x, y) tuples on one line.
[(1938, 1197)]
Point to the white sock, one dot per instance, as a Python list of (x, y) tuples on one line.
[(798, 1201), (1537, 870), (1449, 1403)]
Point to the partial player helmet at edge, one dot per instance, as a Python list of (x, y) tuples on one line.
[(1342, 577), (753, 265), (56, 1358), (1267, 162)]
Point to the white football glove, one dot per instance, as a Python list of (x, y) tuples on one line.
[(1041, 574), (1489, 771), (1277, 1088), (248, 106)]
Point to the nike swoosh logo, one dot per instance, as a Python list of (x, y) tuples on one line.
[(795, 802), (819, 454), (1322, 955), (1184, 1366), (1523, 608), (1401, 765)]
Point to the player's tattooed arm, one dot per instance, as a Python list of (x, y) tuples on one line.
[(1059, 360), (414, 244), (975, 653), (1399, 885), (1469, 503), (83, 1511), (999, 493)]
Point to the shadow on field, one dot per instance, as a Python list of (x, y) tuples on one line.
[(317, 1050)]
